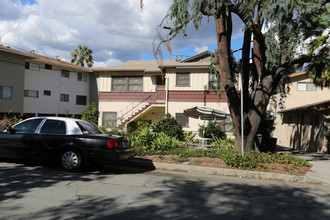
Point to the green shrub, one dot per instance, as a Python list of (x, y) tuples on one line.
[(90, 113), (170, 127), (132, 127), (229, 143), (212, 128)]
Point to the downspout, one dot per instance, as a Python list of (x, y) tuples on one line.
[(166, 92)]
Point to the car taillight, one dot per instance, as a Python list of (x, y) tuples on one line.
[(112, 143)]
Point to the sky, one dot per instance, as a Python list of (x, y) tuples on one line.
[(116, 30)]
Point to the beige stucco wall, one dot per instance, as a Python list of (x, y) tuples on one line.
[(176, 107), (12, 75), (52, 80), (294, 135), (298, 98), (199, 78)]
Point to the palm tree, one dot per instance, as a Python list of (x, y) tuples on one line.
[(82, 55)]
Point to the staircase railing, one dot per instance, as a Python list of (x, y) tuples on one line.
[(129, 110)]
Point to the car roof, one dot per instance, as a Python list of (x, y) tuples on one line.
[(56, 118), (72, 127)]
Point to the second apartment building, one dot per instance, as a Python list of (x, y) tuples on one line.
[(35, 85)]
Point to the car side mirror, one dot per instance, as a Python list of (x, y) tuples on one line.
[(9, 129)]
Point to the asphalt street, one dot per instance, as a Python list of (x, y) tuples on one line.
[(31, 191)]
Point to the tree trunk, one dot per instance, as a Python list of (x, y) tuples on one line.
[(254, 104)]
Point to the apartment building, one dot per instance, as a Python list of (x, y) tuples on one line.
[(35, 85), (149, 89), (303, 120)]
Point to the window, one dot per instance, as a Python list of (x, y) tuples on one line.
[(64, 98), (28, 126), (31, 93), (65, 73), (182, 79), (32, 66), (182, 119), (47, 92), (130, 84), (109, 119), (53, 127), (81, 100), (82, 77), (309, 86), (88, 128), (5, 92), (48, 67)]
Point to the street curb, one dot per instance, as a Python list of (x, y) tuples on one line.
[(222, 171)]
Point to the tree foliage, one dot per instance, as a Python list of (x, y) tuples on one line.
[(279, 32), (90, 113), (82, 55)]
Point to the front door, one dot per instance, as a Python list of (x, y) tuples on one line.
[(160, 89)]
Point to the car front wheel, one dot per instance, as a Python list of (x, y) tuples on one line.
[(70, 160)]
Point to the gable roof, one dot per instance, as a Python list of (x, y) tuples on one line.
[(146, 66), (17, 52), (157, 66), (318, 106), (197, 57), (32, 57)]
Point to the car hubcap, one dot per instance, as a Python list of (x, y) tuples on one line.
[(69, 160)]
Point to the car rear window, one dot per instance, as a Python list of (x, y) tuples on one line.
[(88, 128), (53, 127)]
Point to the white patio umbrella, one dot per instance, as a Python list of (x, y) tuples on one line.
[(204, 113)]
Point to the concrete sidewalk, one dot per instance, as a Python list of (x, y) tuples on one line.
[(321, 166)]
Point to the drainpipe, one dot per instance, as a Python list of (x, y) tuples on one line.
[(166, 92)]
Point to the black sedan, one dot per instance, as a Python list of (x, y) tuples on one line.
[(70, 141)]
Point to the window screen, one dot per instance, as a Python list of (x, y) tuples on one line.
[(182, 79), (182, 119)]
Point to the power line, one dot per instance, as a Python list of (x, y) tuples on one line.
[(12, 46)]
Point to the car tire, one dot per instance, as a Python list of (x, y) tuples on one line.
[(70, 159)]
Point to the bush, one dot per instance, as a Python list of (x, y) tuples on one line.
[(170, 127), (147, 140), (90, 113), (212, 128)]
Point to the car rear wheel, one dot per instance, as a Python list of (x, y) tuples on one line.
[(70, 160)]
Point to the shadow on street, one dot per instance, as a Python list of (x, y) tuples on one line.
[(177, 198)]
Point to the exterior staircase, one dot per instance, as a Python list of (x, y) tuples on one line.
[(136, 113)]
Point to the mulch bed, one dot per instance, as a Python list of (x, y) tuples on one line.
[(216, 162)]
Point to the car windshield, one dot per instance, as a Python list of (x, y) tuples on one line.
[(88, 128), (28, 126)]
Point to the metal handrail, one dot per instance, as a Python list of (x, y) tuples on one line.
[(131, 108)]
